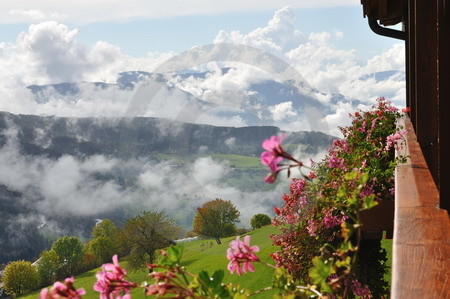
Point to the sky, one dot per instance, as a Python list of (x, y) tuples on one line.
[(157, 27)]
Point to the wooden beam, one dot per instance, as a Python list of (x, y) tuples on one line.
[(421, 250), (444, 101), (423, 78)]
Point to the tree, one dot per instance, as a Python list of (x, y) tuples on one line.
[(20, 277), (70, 254), (47, 267), (260, 220), (216, 219), (105, 241), (106, 228), (144, 234), (102, 248)]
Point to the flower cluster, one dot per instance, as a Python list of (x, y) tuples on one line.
[(110, 282), (166, 282), (319, 215), (393, 140), (241, 256), (362, 291), (62, 290)]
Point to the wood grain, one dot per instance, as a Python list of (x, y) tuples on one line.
[(421, 251)]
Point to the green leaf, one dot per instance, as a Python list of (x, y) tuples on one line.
[(363, 178), (369, 202), (346, 263), (204, 281), (217, 278), (342, 192), (351, 176), (175, 253), (320, 272)]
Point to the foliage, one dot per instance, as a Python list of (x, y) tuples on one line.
[(89, 260), (106, 228), (145, 233), (319, 222), (216, 218), (70, 254), (240, 231), (20, 277), (102, 248), (47, 267), (260, 220)]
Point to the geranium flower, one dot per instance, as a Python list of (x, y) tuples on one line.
[(62, 290), (271, 177), (391, 140), (273, 154), (110, 282), (241, 256)]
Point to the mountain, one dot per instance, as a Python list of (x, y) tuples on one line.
[(60, 174), (141, 137), (212, 96)]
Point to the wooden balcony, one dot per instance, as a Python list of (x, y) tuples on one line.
[(421, 250)]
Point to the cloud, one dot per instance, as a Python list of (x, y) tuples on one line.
[(83, 11), (49, 52), (73, 186), (326, 68), (279, 34), (282, 111)]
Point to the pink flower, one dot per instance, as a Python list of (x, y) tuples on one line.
[(298, 186), (272, 156), (62, 290), (391, 140), (362, 291), (406, 110), (330, 221), (311, 228), (159, 288), (271, 177), (241, 256), (110, 282), (273, 145), (167, 283)]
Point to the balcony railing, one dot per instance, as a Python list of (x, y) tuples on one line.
[(421, 250)]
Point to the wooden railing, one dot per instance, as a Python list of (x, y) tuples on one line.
[(421, 250)]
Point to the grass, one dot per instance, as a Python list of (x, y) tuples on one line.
[(201, 255), (208, 255), (238, 161), (387, 245)]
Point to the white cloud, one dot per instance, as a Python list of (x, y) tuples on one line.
[(279, 34), (84, 11), (282, 111)]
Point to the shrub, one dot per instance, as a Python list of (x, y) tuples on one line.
[(20, 277)]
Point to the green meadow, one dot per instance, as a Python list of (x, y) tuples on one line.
[(208, 255)]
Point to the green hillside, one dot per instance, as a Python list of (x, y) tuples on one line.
[(202, 255), (208, 255)]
